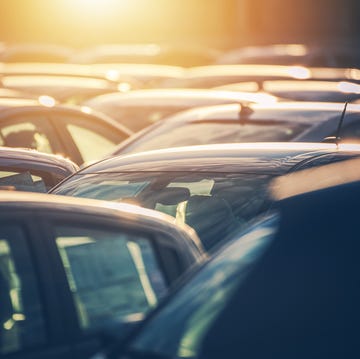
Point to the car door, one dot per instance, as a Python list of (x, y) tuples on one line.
[(31, 323), (111, 276), (86, 139)]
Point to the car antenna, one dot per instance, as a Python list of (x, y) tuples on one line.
[(260, 85), (336, 139), (245, 111)]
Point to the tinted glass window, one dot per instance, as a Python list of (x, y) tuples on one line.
[(324, 160), (214, 204), (26, 134), (351, 133), (21, 181), (136, 117), (93, 137), (111, 275), (21, 317), (91, 145), (214, 132)]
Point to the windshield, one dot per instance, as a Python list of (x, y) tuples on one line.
[(214, 204), (204, 133), (190, 313), (134, 117)]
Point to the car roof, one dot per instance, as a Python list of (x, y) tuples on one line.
[(60, 87), (272, 158), (295, 72), (17, 102), (48, 202), (27, 157), (43, 68), (35, 52), (141, 71), (10, 93), (293, 85), (46, 103), (179, 97), (53, 80)]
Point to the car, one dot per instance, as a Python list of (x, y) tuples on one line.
[(216, 189), (328, 55), (138, 109), (286, 288), (147, 75), (134, 75), (218, 75), (296, 90), (64, 88), (81, 74), (147, 53), (8, 93), (76, 133), (36, 52), (278, 122), (29, 170), (73, 269)]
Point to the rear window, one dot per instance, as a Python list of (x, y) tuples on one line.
[(204, 133)]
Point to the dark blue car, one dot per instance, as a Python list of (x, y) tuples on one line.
[(287, 288)]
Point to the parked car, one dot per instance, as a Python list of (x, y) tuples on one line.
[(140, 108), (36, 52), (216, 189), (81, 74), (296, 90), (279, 122), (77, 133), (327, 55), (287, 288), (147, 53), (71, 270), (147, 75), (218, 75), (29, 170), (8, 93), (64, 88)]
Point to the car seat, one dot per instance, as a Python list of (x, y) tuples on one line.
[(211, 217)]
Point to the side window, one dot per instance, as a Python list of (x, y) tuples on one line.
[(93, 139), (111, 275), (21, 181), (138, 117), (323, 160), (351, 133), (21, 318), (90, 144), (26, 133)]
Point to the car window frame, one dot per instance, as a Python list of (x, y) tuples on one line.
[(55, 345), (60, 120), (74, 330), (15, 117)]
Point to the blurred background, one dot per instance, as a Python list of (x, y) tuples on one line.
[(220, 24)]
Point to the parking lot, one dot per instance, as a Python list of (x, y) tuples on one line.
[(179, 179)]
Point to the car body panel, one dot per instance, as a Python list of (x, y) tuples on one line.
[(39, 217)]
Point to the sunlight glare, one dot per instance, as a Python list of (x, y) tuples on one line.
[(124, 87), (86, 109), (299, 72), (348, 87), (47, 101)]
